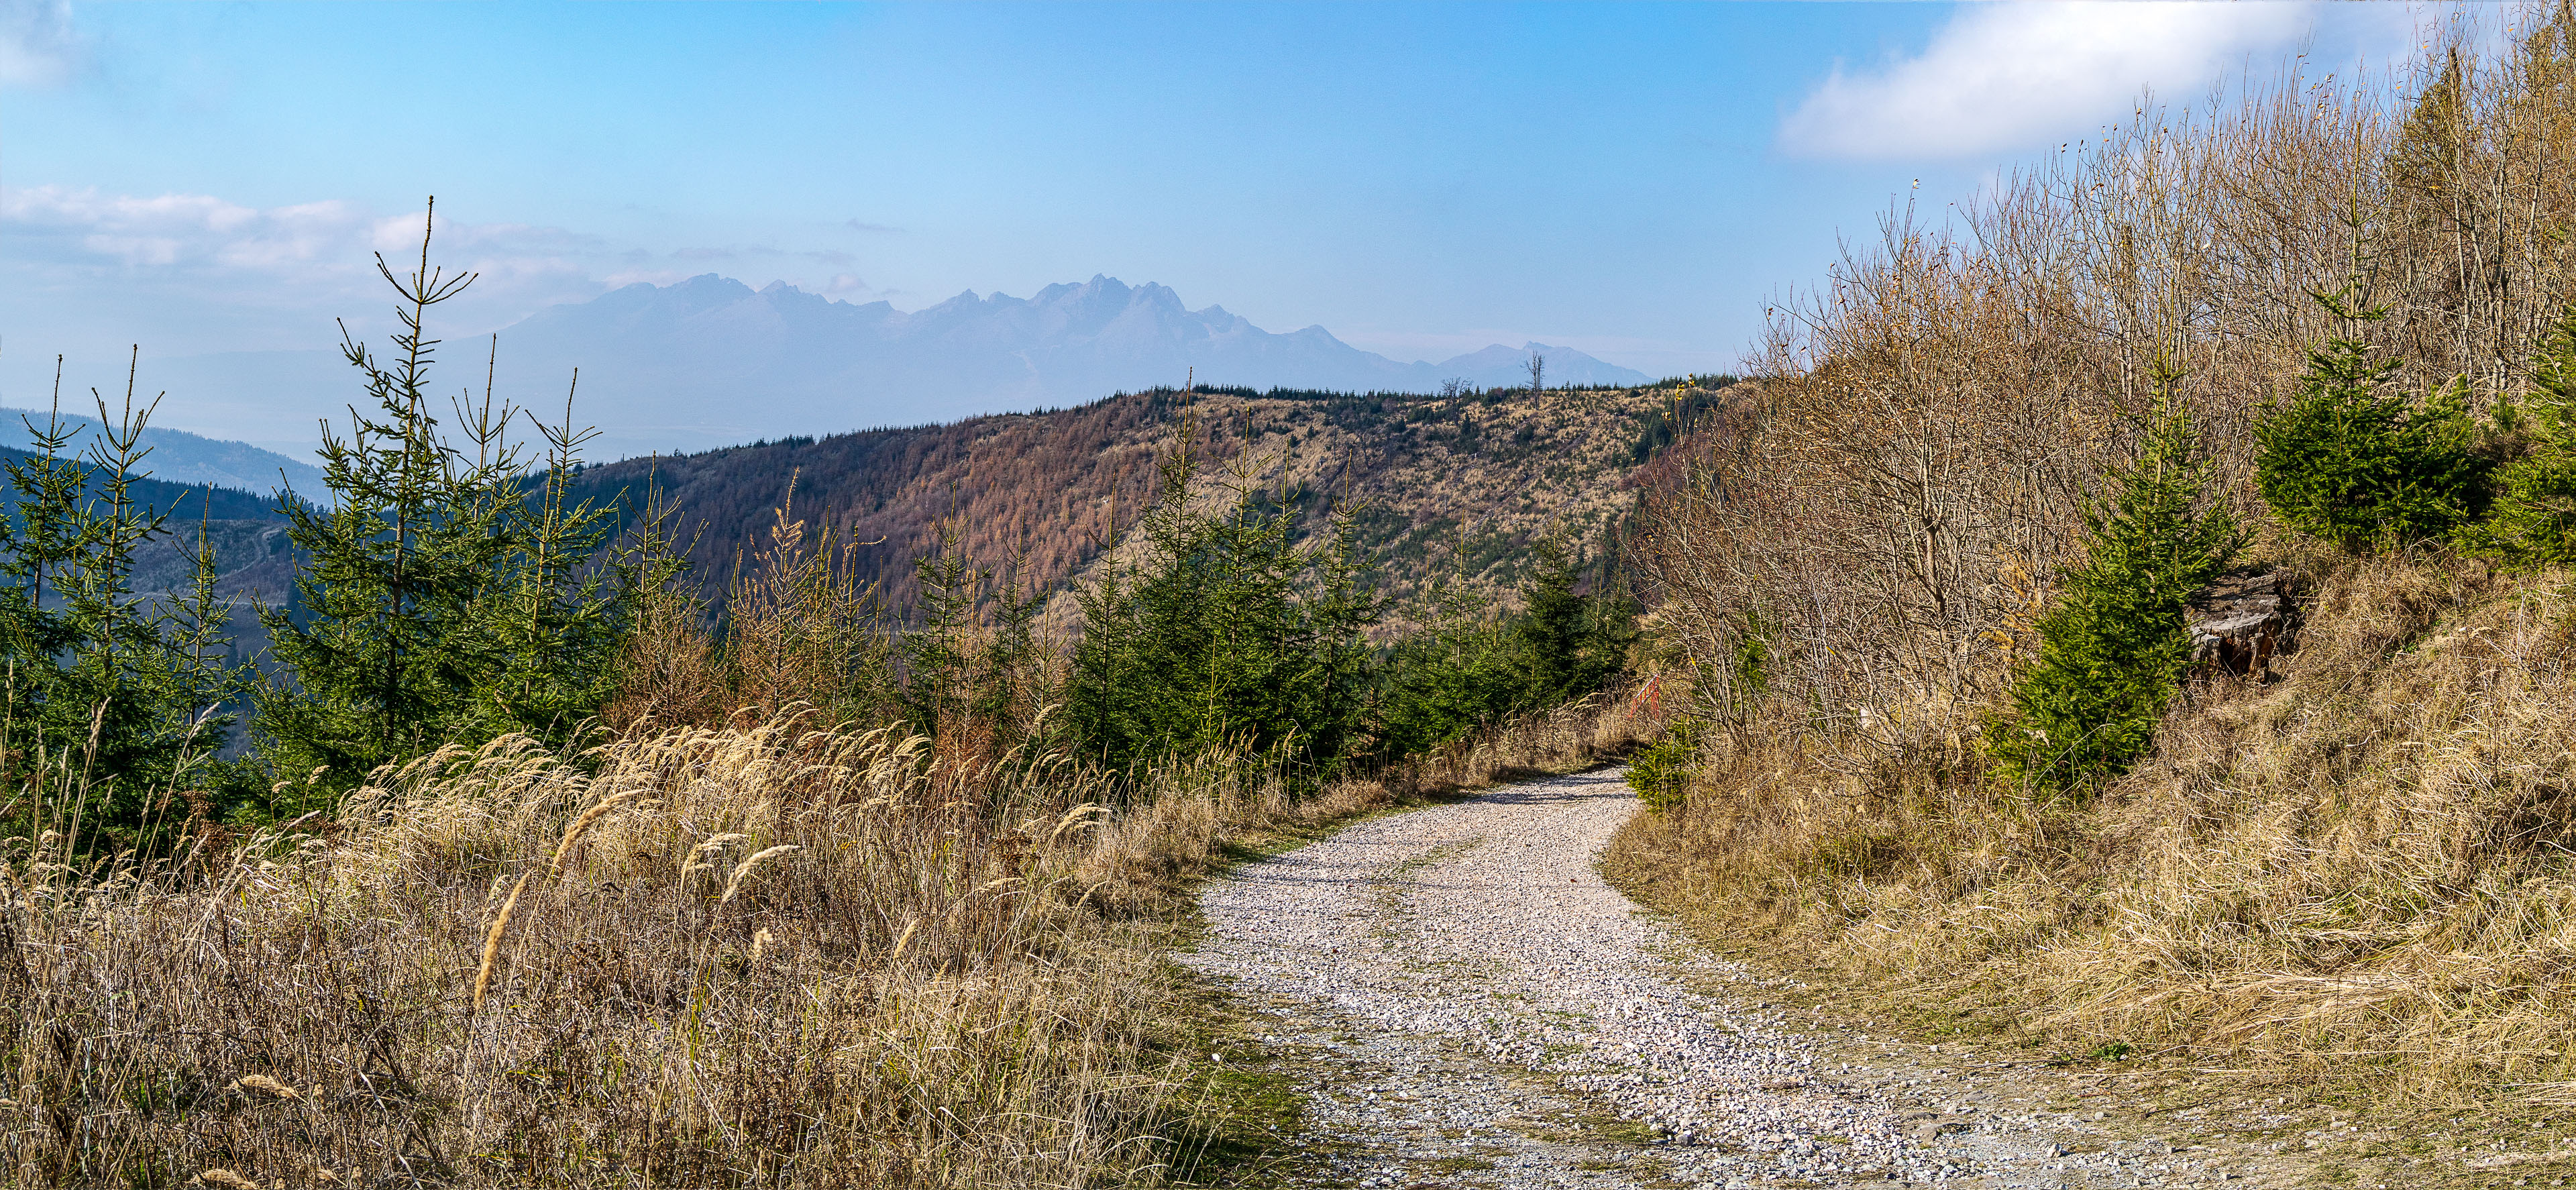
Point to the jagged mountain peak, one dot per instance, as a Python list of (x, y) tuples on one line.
[(709, 361)]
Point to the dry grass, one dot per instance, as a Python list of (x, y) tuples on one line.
[(715, 958), (2360, 872), (772, 955)]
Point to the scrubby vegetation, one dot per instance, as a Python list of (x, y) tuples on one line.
[(1921, 589)]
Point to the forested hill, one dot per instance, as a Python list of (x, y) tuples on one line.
[(252, 554), (179, 501), (1447, 485)]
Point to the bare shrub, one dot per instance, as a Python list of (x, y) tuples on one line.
[(2355, 872)]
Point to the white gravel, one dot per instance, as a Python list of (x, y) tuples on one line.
[(1476, 1006)]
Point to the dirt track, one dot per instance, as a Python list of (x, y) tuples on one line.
[(1466, 1002)]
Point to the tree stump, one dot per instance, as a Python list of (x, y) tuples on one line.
[(2241, 622)]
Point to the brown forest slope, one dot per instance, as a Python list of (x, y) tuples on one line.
[(1446, 484)]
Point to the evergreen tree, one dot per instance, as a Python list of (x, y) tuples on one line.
[(2350, 460), (2534, 521), (114, 702), (1576, 644), (1462, 671), (975, 676), (1232, 634), (2113, 643), (1469, 668), (938, 656), (557, 626), (444, 600)]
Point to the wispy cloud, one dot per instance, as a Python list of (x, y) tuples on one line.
[(38, 46), (66, 228), (2006, 76), (302, 264)]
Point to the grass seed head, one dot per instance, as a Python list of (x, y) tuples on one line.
[(266, 1086), (744, 868)]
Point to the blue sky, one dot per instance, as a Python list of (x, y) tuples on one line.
[(1631, 180)]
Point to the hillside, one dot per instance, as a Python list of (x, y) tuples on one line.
[(1944, 745), (179, 457), (1445, 485)]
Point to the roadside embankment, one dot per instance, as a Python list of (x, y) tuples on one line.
[(2362, 873)]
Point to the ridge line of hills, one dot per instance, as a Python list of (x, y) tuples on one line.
[(1451, 489), (708, 361)]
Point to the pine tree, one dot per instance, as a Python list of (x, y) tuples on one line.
[(938, 656), (114, 702), (2350, 460), (1231, 634), (2534, 521), (2113, 643), (1576, 644), (1466, 668), (445, 600), (557, 626)]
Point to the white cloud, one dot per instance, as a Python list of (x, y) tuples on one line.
[(65, 227), (190, 272), (2010, 75), (38, 47)]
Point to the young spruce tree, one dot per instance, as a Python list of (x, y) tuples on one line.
[(2534, 520), (115, 703), (444, 601), (1233, 633), (2351, 460), (2113, 643), (1576, 644)]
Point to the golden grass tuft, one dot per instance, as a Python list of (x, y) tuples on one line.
[(492, 940), (733, 886), (266, 1086)]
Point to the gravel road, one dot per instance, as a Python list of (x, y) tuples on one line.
[(1465, 1002)]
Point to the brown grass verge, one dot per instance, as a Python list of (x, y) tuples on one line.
[(2361, 873), (776, 955)]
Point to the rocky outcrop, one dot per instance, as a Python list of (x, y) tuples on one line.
[(2241, 622)]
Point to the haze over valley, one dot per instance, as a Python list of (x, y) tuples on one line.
[(708, 361)]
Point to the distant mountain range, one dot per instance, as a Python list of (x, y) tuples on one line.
[(711, 362)]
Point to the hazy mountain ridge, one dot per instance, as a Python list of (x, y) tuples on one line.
[(711, 360), (177, 456), (708, 362)]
